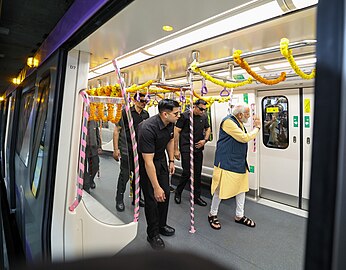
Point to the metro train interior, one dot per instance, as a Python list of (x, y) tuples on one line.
[(44, 117)]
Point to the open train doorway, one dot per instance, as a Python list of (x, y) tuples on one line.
[(285, 146)]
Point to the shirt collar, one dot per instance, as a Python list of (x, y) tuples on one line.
[(161, 124), (240, 122)]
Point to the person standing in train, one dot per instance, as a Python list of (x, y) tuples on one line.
[(92, 151), (230, 176), (155, 137), (201, 133), (125, 150)]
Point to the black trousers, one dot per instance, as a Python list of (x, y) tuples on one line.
[(126, 167), (155, 212), (91, 168), (185, 177)]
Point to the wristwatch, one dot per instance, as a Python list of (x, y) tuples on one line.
[(171, 161)]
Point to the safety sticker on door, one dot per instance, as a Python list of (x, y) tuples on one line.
[(307, 121), (252, 169), (306, 105), (246, 98), (295, 121)]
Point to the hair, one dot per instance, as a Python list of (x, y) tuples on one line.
[(200, 101), (239, 108), (167, 105), (135, 96)]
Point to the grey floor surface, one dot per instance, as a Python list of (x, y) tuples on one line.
[(277, 241)]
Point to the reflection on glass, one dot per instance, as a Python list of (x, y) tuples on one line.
[(25, 125), (37, 173), (101, 179), (275, 122)]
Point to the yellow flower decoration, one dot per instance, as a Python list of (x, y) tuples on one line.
[(205, 75), (135, 88), (118, 115), (244, 65), (92, 115), (116, 92), (287, 53)]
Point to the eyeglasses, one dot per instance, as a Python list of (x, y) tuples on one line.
[(201, 109), (142, 101), (176, 113)]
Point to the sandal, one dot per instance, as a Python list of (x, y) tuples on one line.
[(213, 221), (246, 221)]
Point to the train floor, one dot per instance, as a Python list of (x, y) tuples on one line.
[(277, 241)]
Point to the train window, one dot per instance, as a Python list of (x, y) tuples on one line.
[(39, 135), (275, 122), (208, 112), (25, 125)]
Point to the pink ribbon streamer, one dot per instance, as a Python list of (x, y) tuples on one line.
[(82, 146), (253, 126), (133, 140)]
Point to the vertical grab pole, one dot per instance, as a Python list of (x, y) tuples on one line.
[(253, 109), (133, 139), (195, 56), (192, 188)]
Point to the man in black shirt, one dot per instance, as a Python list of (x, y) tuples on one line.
[(201, 133), (123, 146), (155, 137)]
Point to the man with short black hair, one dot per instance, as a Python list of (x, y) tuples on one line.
[(123, 147), (155, 137), (201, 133)]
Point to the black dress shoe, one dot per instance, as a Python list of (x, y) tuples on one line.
[(156, 242), (200, 202), (120, 206), (177, 198), (141, 202), (167, 230), (92, 185)]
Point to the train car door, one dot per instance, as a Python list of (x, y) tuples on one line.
[(286, 144), (279, 146), (308, 110), (8, 151)]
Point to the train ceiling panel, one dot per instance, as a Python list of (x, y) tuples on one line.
[(141, 22), (296, 26)]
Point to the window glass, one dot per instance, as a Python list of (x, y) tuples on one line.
[(208, 112), (275, 122), (25, 125), (39, 135)]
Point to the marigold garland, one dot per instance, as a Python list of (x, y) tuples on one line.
[(287, 53), (110, 112), (205, 75), (92, 115), (118, 115), (135, 88), (97, 109), (244, 65), (116, 92), (169, 88)]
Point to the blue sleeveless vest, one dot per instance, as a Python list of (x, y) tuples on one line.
[(230, 154)]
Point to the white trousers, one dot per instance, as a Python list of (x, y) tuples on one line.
[(239, 199)]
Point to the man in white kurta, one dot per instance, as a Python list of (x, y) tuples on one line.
[(230, 177)]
